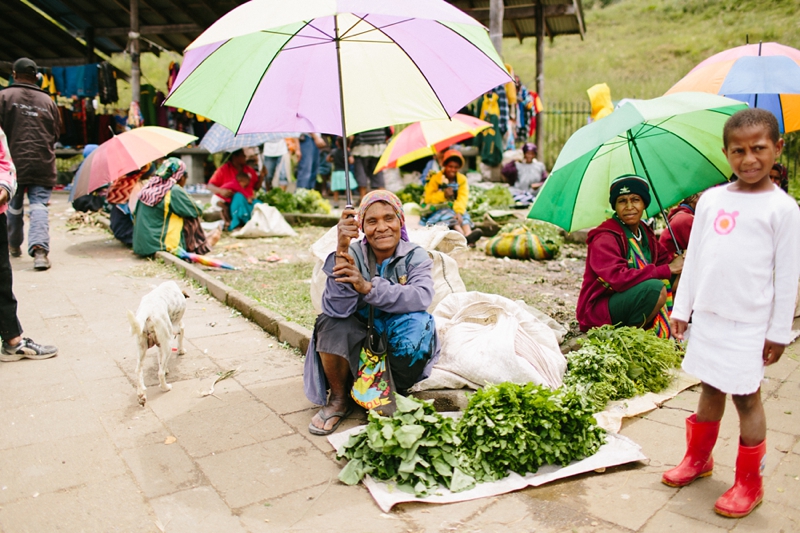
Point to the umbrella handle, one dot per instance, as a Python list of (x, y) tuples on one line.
[(632, 139)]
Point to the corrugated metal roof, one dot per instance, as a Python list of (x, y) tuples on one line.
[(24, 32), (562, 17)]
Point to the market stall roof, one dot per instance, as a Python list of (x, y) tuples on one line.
[(561, 17), (26, 30)]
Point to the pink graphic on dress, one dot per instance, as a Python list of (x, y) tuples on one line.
[(725, 222)]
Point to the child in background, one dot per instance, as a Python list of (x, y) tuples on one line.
[(741, 304), (242, 202), (336, 157)]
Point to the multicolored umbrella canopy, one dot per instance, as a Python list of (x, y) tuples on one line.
[(427, 137), (125, 153), (765, 75), (218, 138), (334, 66), (674, 141)]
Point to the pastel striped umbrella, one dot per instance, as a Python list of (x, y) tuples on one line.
[(426, 137), (125, 153), (336, 66), (764, 75)]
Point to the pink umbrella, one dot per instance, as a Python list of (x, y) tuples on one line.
[(125, 153)]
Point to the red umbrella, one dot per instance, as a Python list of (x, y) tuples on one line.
[(125, 153)]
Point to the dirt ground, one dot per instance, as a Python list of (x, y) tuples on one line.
[(276, 271)]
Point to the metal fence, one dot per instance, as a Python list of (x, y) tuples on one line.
[(561, 119)]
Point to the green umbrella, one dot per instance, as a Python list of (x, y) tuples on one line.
[(674, 141)]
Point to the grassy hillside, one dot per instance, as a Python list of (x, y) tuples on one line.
[(642, 47)]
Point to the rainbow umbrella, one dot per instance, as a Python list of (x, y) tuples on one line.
[(427, 137), (764, 75), (200, 259), (125, 153), (336, 66)]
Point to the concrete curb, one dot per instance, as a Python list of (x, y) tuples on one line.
[(290, 332)]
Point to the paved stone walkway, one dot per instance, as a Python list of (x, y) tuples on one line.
[(78, 454)]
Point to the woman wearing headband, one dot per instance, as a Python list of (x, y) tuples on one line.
[(400, 294)]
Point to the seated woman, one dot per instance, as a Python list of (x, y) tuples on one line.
[(446, 197), (527, 175), (224, 184), (400, 295), (626, 267), (681, 219), (166, 217), (118, 198), (242, 202)]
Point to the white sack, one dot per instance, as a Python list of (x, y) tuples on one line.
[(487, 338), (266, 221)]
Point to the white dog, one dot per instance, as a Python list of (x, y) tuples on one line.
[(158, 319)]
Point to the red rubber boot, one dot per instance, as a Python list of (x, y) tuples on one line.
[(748, 489), (700, 440)]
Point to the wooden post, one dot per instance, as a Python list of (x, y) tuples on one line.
[(540, 76), (134, 40), (496, 8)]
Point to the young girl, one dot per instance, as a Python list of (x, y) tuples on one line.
[(336, 157), (739, 285)]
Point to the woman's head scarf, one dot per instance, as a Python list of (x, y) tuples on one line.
[(167, 175), (389, 198)]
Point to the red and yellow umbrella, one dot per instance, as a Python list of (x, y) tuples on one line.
[(125, 153), (424, 138)]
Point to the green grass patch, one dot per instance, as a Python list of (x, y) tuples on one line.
[(283, 288)]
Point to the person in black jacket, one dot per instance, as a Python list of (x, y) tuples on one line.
[(32, 123)]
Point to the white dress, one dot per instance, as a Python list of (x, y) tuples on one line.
[(739, 284)]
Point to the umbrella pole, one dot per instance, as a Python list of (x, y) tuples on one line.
[(632, 139), (348, 193)]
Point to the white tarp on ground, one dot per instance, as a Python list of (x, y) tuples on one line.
[(618, 450)]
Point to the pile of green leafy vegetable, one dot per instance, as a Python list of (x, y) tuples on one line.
[(411, 193), (519, 428), (416, 448), (618, 363), (481, 201), (311, 201), (301, 201)]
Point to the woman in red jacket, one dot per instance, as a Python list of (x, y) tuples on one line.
[(627, 270)]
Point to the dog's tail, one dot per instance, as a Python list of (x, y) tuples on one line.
[(136, 327)]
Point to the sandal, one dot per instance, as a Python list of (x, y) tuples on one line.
[(314, 430)]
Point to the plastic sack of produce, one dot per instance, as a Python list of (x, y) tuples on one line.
[(518, 241)]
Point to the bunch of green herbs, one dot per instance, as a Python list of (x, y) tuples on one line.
[(618, 363), (481, 201), (416, 448), (301, 201), (411, 193), (518, 428)]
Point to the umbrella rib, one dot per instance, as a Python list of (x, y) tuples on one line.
[(374, 28), (692, 147), (478, 49), (264, 73), (330, 37), (419, 69)]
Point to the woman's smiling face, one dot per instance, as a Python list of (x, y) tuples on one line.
[(382, 226)]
